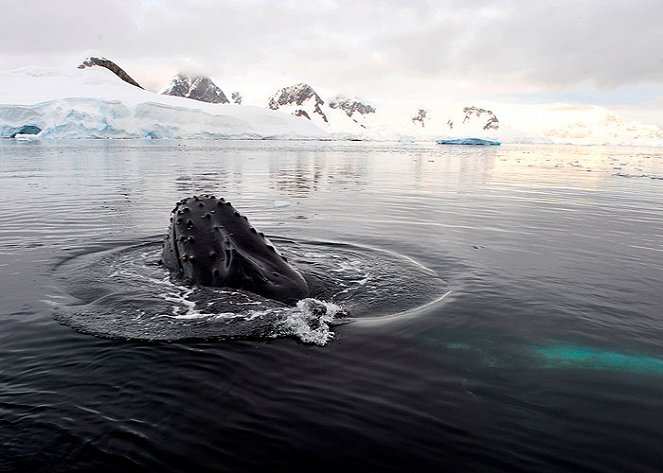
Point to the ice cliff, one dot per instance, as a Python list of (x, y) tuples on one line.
[(92, 103)]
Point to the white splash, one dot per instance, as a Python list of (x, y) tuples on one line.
[(310, 321)]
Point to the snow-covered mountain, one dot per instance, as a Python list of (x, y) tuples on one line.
[(66, 102), (91, 102), (470, 121), (603, 127), (420, 117), (197, 88), (545, 123), (343, 117), (300, 100), (351, 106), (111, 66), (486, 119), (451, 121), (350, 118), (237, 98)]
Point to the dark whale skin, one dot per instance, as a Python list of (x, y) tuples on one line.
[(211, 244)]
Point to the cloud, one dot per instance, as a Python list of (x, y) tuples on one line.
[(540, 44), (30, 28), (381, 48)]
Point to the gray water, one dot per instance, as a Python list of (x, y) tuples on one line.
[(504, 310)]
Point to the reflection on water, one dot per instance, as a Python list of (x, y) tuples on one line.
[(545, 354)]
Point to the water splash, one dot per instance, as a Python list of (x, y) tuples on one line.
[(122, 292), (310, 321)]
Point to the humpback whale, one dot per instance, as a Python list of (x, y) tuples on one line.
[(209, 243)]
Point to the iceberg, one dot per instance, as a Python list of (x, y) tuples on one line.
[(468, 142)]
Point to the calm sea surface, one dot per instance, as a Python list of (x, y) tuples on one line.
[(505, 310)]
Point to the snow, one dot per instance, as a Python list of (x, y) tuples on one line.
[(68, 102), (339, 125), (596, 125), (518, 123)]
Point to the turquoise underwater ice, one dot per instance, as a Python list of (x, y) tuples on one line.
[(562, 356), (567, 356)]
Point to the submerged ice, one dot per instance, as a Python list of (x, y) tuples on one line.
[(570, 356)]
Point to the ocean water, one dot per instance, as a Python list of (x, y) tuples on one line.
[(478, 309)]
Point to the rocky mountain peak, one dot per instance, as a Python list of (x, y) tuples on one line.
[(111, 66), (299, 96), (351, 106), (492, 123), (420, 117), (294, 95), (197, 88), (475, 116)]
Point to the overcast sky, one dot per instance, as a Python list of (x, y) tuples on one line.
[(604, 52)]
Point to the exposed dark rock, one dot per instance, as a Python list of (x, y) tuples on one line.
[(237, 98), (296, 95), (420, 117), (197, 88), (301, 113), (492, 123), (351, 106), (111, 66)]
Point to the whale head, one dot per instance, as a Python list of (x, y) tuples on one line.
[(211, 244)]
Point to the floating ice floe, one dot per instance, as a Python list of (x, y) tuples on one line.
[(469, 142)]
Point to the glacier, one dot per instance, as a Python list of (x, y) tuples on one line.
[(67, 102), (92, 103)]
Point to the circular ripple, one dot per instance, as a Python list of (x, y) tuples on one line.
[(124, 292)]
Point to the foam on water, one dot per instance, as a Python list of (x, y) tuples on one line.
[(311, 321), (124, 293), (538, 253)]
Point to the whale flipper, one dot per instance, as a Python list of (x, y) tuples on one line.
[(211, 244)]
